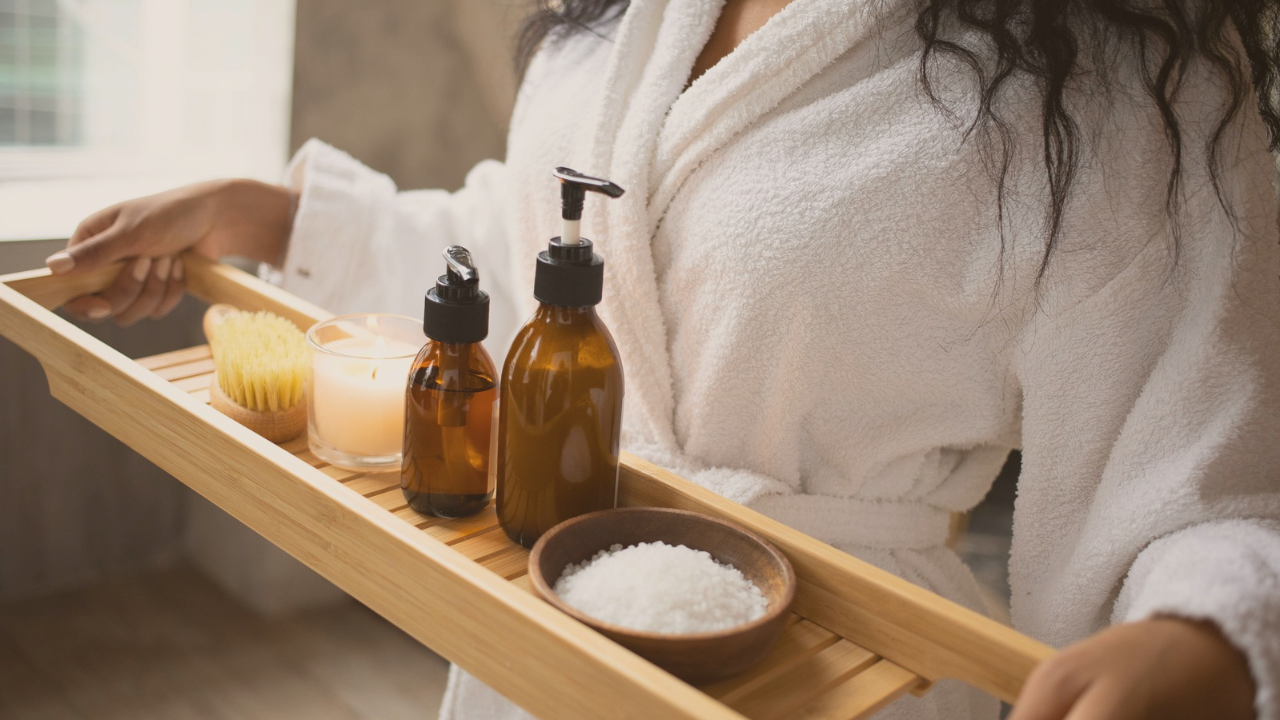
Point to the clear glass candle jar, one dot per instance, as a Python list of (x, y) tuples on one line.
[(356, 388)]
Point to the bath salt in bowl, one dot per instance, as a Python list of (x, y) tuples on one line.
[(697, 596), (661, 588)]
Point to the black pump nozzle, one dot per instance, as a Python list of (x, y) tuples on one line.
[(460, 269), (573, 190), (570, 273), (457, 311)]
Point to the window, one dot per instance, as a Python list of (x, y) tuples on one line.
[(101, 100), (40, 89)]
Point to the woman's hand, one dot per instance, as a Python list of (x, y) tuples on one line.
[(215, 219), (1161, 669)]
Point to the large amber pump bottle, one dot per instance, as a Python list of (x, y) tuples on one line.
[(560, 413), (448, 427)]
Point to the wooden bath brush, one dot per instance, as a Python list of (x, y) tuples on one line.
[(260, 367)]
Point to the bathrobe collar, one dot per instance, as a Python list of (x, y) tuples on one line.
[(647, 133)]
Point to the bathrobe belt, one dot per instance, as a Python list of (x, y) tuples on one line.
[(879, 524)]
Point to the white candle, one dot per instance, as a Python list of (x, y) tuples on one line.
[(358, 395)]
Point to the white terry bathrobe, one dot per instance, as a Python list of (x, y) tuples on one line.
[(806, 284)]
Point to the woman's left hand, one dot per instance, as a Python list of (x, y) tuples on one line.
[(1160, 669)]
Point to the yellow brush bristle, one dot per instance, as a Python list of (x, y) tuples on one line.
[(261, 361)]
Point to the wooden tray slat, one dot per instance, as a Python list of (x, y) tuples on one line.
[(372, 483), (193, 384), (798, 684), (395, 502), (800, 640), (342, 475), (337, 473), (861, 695), (510, 563), (459, 529), (485, 544), (416, 519), (201, 368), (163, 361), (297, 445), (177, 357)]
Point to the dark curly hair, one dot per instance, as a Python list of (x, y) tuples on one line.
[(1044, 40)]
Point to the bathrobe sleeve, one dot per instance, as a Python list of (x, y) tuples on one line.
[(360, 245), (1151, 416)]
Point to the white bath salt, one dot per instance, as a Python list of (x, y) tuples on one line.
[(660, 588)]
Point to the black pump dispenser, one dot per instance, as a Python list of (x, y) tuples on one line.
[(456, 309), (569, 273)]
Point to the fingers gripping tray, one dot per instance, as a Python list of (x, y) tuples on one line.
[(858, 639)]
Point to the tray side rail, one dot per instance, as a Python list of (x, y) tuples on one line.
[(210, 281), (533, 654)]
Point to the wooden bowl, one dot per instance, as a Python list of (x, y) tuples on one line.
[(698, 658)]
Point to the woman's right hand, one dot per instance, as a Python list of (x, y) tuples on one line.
[(214, 219)]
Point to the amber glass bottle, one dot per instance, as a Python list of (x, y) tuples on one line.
[(448, 430), (560, 417), (449, 402)]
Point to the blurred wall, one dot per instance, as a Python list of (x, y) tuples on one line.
[(418, 89)]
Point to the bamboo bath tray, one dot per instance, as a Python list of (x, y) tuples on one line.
[(859, 637)]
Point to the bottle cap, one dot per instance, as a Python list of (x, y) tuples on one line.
[(456, 309), (569, 275)]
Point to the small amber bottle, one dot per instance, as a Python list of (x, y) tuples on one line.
[(560, 415), (449, 403)]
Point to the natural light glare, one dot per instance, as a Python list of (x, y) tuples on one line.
[(100, 99)]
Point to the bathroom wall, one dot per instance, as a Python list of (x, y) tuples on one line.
[(418, 89)]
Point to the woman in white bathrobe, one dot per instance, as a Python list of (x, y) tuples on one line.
[(824, 317)]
